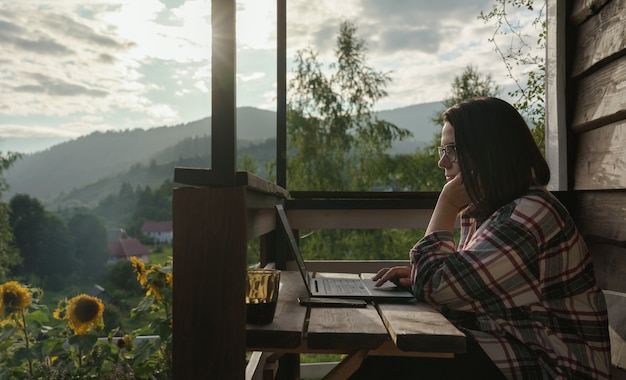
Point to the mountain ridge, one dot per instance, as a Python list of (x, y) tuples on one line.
[(87, 160)]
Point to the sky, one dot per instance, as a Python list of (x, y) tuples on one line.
[(69, 68)]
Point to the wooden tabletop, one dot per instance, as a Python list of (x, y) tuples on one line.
[(413, 328)]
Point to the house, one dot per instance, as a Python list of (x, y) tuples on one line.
[(159, 232), (125, 248)]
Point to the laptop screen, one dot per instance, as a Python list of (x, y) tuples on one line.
[(293, 245)]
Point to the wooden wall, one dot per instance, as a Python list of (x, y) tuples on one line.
[(596, 104)]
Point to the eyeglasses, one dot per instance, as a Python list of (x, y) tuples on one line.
[(449, 151)]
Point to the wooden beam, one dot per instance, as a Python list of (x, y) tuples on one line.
[(281, 94), (556, 127), (223, 90)]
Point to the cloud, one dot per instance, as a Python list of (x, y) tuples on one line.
[(75, 66), (55, 87)]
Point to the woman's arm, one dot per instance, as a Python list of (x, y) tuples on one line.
[(452, 199)]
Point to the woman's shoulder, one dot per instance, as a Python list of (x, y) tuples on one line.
[(539, 206)]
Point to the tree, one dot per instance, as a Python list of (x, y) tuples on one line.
[(9, 255), (469, 84), (247, 163), (117, 209), (337, 141), (44, 242), (419, 172), (90, 243), (520, 51), (59, 266)]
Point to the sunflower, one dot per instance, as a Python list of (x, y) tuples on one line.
[(125, 342), (82, 313), (14, 298), (140, 269), (156, 281)]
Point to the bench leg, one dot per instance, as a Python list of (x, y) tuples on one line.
[(288, 367), (347, 366)]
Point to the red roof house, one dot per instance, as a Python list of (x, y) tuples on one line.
[(125, 248), (160, 232)]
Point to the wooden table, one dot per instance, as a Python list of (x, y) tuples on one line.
[(409, 329)]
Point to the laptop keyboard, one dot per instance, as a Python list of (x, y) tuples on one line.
[(341, 286)]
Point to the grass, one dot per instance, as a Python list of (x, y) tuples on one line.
[(161, 255)]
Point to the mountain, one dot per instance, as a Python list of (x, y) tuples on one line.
[(90, 167), (417, 119)]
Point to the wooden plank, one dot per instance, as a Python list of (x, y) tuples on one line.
[(601, 97), (609, 264), (209, 333), (616, 303), (288, 325), (260, 222), (601, 37), (600, 160), (418, 327), (583, 9), (255, 369), (345, 328), (257, 183), (600, 218), (602, 214), (357, 219), (197, 177)]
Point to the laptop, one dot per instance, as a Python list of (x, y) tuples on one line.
[(338, 286)]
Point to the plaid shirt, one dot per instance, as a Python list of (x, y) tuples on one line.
[(522, 285)]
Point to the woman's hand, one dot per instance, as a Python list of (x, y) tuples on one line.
[(452, 199), (455, 193), (401, 276)]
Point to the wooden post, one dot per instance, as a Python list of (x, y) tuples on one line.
[(210, 240), (223, 91)]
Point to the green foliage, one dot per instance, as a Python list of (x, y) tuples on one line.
[(338, 142), (34, 345), (119, 280), (469, 84), (519, 51), (130, 208), (9, 255), (90, 243), (44, 242), (359, 244)]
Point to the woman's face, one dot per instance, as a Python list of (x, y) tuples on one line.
[(447, 140)]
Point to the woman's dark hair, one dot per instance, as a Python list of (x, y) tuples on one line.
[(498, 157)]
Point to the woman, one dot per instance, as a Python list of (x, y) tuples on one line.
[(520, 283)]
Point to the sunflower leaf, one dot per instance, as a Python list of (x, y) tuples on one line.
[(84, 342)]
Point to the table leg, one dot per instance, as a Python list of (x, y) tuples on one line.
[(288, 367), (347, 366)]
